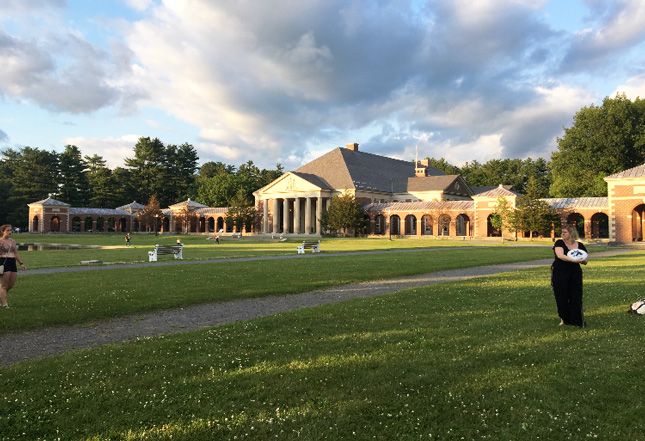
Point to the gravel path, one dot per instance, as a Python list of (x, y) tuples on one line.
[(17, 347)]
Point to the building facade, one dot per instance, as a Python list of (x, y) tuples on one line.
[(400, 198)]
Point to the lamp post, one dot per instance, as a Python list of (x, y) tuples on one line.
[(156, 229), (389, 223)]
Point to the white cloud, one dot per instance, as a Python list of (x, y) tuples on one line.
[(113, 150), (634, 88)]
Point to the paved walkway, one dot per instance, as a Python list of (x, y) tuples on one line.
[(17, 347)]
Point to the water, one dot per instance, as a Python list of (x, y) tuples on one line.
[(53, 246)]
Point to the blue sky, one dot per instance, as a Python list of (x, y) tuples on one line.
[(286, 81)]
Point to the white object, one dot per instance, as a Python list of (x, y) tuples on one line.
[(577, 255), (638, 307)]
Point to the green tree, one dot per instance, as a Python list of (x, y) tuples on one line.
[(181, 165), (101, 182), (602, 141), (241, 212), (149, 169), (532, 214), (502, 215), (444, 166), (344, 214), (34, 176), (73, 181)]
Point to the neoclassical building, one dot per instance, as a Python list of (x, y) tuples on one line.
[(406, 199), (400, 198)]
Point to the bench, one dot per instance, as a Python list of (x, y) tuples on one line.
[(312, 245), (237, 235), (160, 250)]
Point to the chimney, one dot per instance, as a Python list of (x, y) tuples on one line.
[(353, 146)]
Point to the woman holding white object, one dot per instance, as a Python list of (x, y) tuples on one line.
[(566, 277)]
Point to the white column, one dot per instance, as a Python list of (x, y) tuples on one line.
[(296, 216), (265, 216), (319, 209), (308, 216), (276, 215), (285, 216)]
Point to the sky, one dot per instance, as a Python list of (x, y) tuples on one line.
[(285, 81)]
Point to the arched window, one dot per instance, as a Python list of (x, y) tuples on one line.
[(600, 226), (410, 225), (100, 224), (379, 224), (395, 225), (34, 224), (76, 224), (579, 221), (463, 225), (54, 224), (638, 221), (443, 225), (490, 230), (88, 223), (427, 224)]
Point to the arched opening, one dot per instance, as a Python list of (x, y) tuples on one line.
[(111, 225), (600, 226), (34, 224), (426, 225), (463, 225), (491, 231), (76, 224), (638, 217), (443, 227), (100, 224), (379, 224), (166, 224), (54, 224), (135, 224), (123, 225), (220, 224), (410, 225), (88, 224), (211, 225), (395, 225), (579, 221)]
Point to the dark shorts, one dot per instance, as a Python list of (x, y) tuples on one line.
[(9, 264)]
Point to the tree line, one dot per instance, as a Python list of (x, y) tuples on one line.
[(170, 173), (603, 140)]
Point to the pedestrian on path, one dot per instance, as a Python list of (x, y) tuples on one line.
[(127, 239), (8, 258)]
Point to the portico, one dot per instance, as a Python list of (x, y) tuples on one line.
[(292, 205)]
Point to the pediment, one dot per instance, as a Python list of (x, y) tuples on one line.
[(289, 183)]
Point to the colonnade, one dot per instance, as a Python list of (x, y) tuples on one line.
[(299, 215)]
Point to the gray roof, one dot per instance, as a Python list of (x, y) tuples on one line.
[(188, 203), (343, 168), (492, 192), (211, 210), (51, 201), (421, 206), (636, 172), (134, 205), (98, 211), (568, 203)]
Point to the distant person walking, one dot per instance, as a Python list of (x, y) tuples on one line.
[(127, 239), (566, 278), (8, 258)]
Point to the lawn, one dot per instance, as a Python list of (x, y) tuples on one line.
[(198, 248), (77, 297), (482, 359)]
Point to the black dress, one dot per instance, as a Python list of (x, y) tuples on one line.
[(566, 281)]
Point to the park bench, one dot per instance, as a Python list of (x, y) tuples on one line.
[(237, 235), (160, 250), (312, 245)]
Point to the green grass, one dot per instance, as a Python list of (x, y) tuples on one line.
[(475, 360), (76, 297), (198, 248)]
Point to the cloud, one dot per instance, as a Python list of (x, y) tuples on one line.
[(634, 88), (620, 28), (112, 150), (283, 81)]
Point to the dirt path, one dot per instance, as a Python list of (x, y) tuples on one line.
[(17, 347)]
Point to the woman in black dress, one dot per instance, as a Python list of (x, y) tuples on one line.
[(566, 278)]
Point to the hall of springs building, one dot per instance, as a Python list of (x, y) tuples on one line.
[(400, 198)]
